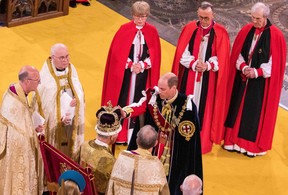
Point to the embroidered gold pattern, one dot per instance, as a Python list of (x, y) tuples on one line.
[(186, 129), (174, 122)]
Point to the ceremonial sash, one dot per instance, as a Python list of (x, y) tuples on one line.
[(164, 126)]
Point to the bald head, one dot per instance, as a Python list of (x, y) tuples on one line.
[(192, 185), (26, 71), (29, 78), (146, 137)]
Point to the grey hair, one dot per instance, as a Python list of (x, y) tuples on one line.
[(146, 137), (140, 8), (259, 6), (23, 75), (55, 47), (205, 5)]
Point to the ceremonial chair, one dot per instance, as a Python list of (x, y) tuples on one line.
[(55, 163)]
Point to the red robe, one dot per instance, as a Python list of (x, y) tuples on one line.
[(215, 110), (116, 62), (271, 96)]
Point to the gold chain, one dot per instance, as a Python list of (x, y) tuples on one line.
[(175, 121)]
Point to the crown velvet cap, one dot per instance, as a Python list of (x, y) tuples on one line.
[(74, 176), (108, 120)]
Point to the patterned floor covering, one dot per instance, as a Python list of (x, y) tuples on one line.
[(169, 16)]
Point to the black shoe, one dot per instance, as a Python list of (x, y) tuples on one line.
[(85, 3), (73, 4), (250, 156)]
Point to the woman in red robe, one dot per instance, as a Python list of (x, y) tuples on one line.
[(133, 63)]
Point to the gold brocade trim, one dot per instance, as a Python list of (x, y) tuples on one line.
[(131, 155), (65, 76), (76, 117), (93, 146), (59, 123), (20, 96), (37, 100), (136, 164), (174, 122), (64, 87), (128, 111), (137, 186)]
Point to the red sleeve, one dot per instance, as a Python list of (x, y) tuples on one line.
[(139, 109), (242, 65), (260, 72)]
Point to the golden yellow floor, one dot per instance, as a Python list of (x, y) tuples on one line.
[(88, 31)]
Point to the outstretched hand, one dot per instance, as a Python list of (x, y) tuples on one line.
[(123, 113)]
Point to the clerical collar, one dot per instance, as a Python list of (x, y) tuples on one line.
[(139, 27), (60, 70), (205, 27), (172, 99)]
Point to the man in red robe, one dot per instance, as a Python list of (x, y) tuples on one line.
[(133, 62), (201, 63), (259, 54)]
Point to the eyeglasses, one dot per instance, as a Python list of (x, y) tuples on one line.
[(203, 18), (62, 58), (256, 18), (141, 17), (35, 80)]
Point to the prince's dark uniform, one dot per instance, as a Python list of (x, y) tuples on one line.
[(178, 128)]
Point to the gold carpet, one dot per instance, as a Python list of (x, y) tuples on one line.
[(88, 31)]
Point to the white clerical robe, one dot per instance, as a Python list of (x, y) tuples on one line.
[(67, 139)]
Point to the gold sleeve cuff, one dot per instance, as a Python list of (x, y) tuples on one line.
[(128, 111)]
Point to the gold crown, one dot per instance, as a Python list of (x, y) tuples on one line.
[(108, 120)]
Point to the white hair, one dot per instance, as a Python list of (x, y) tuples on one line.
[(259, 6), (192, 185), (57, 46)]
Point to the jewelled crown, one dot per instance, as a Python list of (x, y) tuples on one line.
[(108, 120)]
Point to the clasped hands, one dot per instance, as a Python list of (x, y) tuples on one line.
[(249, 73), (136, 68), (201, 66)]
